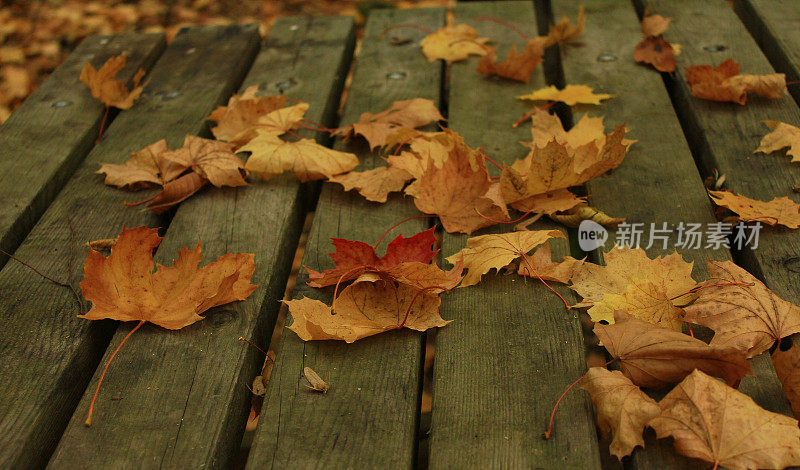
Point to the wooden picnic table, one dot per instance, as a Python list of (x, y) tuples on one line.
[(181, 399)]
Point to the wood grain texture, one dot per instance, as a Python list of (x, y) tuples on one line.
[(513, 347), (774, 26), (369, 417), (186, 394), (48, 354), (46, 138)]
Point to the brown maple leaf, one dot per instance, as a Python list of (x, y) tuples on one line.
[(365, 308), (376, 184), (564, 30), (517, 66), (654, 50), (175, 192), (123, 286), (653, 356), (715, 423), (542, 263), (244, 113), (143, 168), (577, 214), (724, 83), (742, 311), (649, 289), (781, 210), (453, 43), (622, 408), (654, 25), (106, 88), (786, 360), (406, 114), (782, 136), (460, 191), (559, 200), (211, 159), (308, 160)]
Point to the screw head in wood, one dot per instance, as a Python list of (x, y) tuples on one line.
[(396, 75), (606, 58), (715, 48), (61, 104), (283, 85), (294, 27)]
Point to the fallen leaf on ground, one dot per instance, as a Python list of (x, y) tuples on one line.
[(460, 191), (177, 191), (315, 381), (622, 408), (376, 184), (781, 210), (650, 289), (564, 31), (353, 254), (406, 114), (724, 83), (574, 216), (549, 203), (365, 309), (211, 159), (569, 95), (246, 112), (747, 316), (271, 156), (542, 261), (495, 251), (517, 66), (654, 25), (106, 88), (786, 360), (653, 356), (453, 43), (715, 423), (143, 168), (782, 136), (654, 50)]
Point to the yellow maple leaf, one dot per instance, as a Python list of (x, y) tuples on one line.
[(453, 43), (570, 95), (783, 135), (780, 210)]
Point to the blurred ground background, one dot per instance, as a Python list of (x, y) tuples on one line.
[(36, 35)]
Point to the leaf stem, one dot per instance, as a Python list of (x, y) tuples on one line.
[(102, 125), (88, 421), (504, 23)]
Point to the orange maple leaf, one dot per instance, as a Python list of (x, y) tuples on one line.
[(106, 88), (724, 83), (405, 114)]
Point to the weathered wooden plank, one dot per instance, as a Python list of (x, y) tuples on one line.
[(513, 347), (660, 160), (189, 409), (46, 138), (369, 416), (49, 354), (773, 24), (723, 136)]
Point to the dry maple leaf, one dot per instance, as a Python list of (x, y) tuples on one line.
[(559, 200), (175, 192), (271, 156), (460, 191), (622, 408), (376, 184), (123, 286), (542, 262), (246, 112), (353, 254), (715, 423), (723, 83), (786, 360), (564, 31), (577, 214), (406, 114), (364, 309), (654, 25), (453, 43), (495, 251), (565, 159), (742, 311), (654, 50), (783, 135), (780, 210), (652, 356), (569, 95), (517, 66), (211, 159), (108, 90), (143, 168), (651, 289)]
